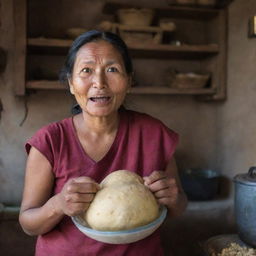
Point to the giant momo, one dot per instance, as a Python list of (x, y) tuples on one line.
[(122, 203)]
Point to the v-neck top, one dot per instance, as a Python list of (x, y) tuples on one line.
[(142, 144), (110, 151)]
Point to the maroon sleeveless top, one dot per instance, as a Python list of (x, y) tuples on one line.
[(142, 144)]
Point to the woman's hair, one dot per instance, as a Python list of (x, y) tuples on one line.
[(93, 36)]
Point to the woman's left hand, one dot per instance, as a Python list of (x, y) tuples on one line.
[(164, 188)]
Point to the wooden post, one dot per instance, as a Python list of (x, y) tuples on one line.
[(0, 13), (3, 60), (222, 58), (20, 20)]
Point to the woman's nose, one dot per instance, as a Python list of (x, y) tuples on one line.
[(99, 80)]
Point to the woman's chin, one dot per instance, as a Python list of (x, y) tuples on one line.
[(100, 112)]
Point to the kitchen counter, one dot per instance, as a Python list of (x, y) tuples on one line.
[(9, 212)]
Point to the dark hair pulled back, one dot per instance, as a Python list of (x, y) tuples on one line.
[(93, 36)]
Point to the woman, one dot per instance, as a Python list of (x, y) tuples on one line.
[(67, 159)]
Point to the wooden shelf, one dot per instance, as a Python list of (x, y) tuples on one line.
[(174, 11), (49, 42), (44, 85), (151, 50), (55, 85), (168, 51), (205, 27), (53, 42), (171, 91)]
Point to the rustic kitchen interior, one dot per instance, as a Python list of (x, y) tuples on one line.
[(194, 70)]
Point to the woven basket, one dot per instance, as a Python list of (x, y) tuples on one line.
[(135, 17), (189, 80)]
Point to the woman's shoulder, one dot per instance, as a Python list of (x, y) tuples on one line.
[(56, 127), (142, 119), (148, 125), (58, 124), (51, 134)]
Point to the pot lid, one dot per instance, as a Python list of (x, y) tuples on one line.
[(248, 178)]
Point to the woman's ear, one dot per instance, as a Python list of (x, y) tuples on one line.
[(71, 88), (130, 82)]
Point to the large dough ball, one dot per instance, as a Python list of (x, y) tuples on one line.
[(122, 203), (120, 177)]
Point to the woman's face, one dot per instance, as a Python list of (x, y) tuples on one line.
[(99, 80)]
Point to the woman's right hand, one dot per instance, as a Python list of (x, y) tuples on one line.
[(40, 211), (76, 195)]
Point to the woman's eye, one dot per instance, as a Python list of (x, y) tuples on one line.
[(85, 70), (112, 69)]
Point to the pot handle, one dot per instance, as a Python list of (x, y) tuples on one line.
[(252, 172)]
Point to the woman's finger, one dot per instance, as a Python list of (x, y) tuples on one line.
[(153, 177), (78, 187), (76, 209), (168, 192), (158, 185), (79, 198)]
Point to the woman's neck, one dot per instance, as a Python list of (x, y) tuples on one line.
[(98, 125)]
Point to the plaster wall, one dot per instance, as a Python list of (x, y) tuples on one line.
[(236, 124)]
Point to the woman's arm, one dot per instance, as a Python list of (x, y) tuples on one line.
[(40, 211), (167, 188)]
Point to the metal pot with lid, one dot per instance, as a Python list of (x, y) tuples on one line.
[(245, 206)]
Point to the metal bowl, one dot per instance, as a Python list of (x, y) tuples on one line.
[(200, 184)]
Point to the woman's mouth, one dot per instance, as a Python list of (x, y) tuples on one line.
[(100, 99)]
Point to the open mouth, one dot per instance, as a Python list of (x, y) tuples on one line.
[(100, 99)]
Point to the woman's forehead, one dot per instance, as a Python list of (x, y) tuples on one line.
[(98, 51)]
